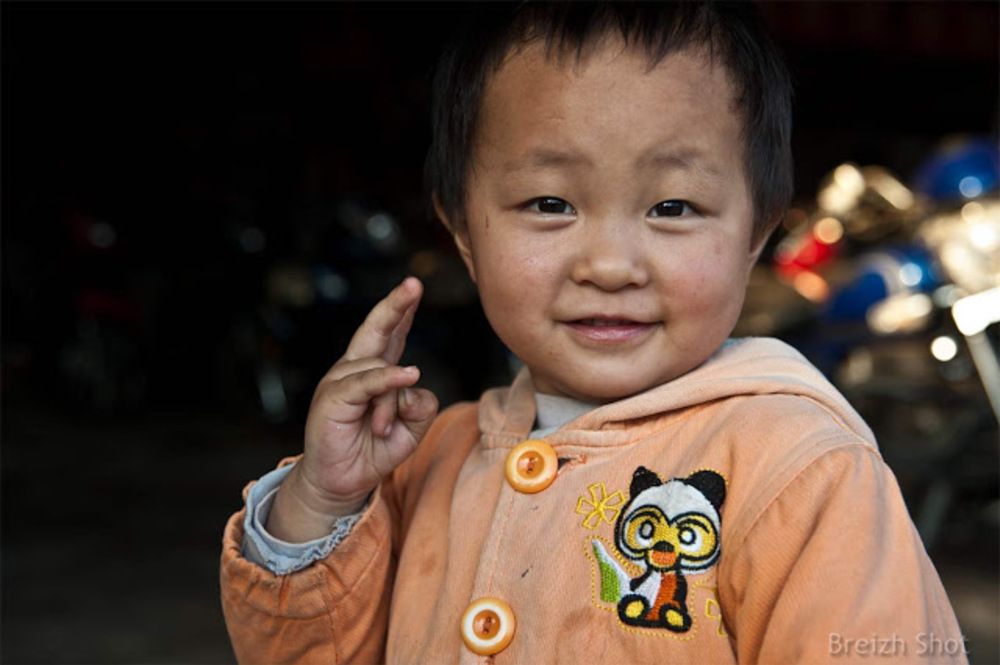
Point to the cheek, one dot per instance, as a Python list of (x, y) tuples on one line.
[(514, 267), (715, 283), (504, 278)]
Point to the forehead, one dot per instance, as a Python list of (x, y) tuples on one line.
[(610, 104)]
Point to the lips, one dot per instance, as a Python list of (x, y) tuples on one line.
[(606, 323), (603, 329)]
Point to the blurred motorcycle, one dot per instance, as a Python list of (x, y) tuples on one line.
[(895, 294)]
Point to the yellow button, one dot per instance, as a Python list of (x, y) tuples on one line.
[(488, 626), (531, 466)]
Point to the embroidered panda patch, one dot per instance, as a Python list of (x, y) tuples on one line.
[(666, 531)]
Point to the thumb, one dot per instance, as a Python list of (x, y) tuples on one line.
[(417, 408)]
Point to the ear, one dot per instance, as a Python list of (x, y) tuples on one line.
[(643, 479), (460, 235), (709, 483), (755, 249)]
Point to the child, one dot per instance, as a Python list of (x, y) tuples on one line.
[(645, 490)]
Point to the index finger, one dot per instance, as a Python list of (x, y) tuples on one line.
[(383, 332)]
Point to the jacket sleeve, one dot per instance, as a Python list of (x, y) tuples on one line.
[(336, 610), (833, 570)]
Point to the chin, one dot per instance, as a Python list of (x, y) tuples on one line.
[(613, 383), (604, 391)]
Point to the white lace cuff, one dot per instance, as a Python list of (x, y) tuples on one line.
[(278, 556)]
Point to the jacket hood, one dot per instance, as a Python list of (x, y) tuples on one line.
[(741, 367)]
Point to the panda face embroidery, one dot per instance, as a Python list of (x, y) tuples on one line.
[(668, 529), (672, 526)]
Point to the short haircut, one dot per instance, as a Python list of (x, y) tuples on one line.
[(733, 31)]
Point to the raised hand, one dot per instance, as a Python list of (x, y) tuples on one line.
[(365, 419)]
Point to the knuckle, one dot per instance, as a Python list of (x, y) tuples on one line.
[(379, 375), (368, 382), (347, 368)]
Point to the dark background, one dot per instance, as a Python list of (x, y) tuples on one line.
[(200, 202)]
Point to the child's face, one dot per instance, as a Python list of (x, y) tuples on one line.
[(608, 218)]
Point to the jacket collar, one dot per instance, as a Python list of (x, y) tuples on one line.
[(750, 366)]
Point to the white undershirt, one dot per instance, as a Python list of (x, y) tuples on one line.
[(553, 412)]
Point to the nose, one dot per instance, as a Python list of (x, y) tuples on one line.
[(609, 255), (663, 546)]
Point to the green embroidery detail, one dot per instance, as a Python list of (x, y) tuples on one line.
[(609, 580)]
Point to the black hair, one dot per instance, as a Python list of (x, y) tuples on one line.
[(734, 31)]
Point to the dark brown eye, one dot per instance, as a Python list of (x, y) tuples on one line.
[(550, 205), (670, 208)]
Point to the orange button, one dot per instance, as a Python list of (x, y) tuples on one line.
[(488, 626), (531, 466)]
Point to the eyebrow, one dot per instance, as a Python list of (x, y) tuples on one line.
[(546, 158), (684, 159)]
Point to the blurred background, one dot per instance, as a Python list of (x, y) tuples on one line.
[(201, 201)]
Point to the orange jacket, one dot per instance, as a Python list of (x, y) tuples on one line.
[(740, 513)]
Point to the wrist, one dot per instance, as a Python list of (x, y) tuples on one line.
[(301, 514), (312, 497)]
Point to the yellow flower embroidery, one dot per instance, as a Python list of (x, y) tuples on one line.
[(709, 604), (600, 506)]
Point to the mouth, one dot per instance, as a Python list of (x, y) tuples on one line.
[(606, 323), (663, 559), (609, 329)]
